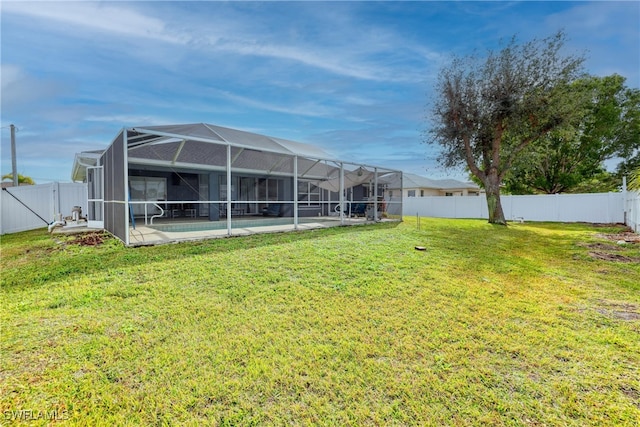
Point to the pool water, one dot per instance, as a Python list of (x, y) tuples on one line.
[(221, 225)]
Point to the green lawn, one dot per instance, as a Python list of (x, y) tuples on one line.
[(525, 325)]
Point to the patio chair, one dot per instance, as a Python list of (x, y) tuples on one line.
[(273, 209), (359, 209)]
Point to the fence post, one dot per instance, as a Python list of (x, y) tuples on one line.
[(52, 200), (624, 200), (56, 200)]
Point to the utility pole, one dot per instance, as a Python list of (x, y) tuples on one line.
[(14, 167)]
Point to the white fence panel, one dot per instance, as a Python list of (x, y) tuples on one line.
[(44, 200), (531, 208), (70, 195), (471, 207), (597, 207), (16, 217), (633, 210), (446, 207)]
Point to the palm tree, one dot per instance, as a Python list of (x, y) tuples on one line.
[(22, 179), (634, 180)]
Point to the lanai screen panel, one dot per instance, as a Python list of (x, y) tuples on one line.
[(309, 168), (393, 199), (199, 130), (248, 139), (261, 162), (115, 205), (203, 153), (160, 152), (302, 150)]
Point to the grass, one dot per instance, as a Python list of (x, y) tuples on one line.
[(343, 326)]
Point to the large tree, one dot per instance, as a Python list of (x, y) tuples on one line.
[(606, 124), (487, 110)]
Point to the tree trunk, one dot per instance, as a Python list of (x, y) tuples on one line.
[(492, 188)]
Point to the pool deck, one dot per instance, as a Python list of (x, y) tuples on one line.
[(146, 235)]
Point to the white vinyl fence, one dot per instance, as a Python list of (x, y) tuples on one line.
[(632, 210), (594, 208), (28, 207), (44, 201)]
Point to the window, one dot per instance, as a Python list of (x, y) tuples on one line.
[(448, 194), (421, 193), (268, 189), (390, 193), (411, 193), (308, 194), (147, 188)]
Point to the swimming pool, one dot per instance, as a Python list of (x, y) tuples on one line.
[(221, 225)]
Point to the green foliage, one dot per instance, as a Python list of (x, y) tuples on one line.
[(342, 326), (634, 180), (22, 179), (601, 182), (605, 123), (489, 110)]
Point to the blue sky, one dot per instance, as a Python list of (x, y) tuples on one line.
[(354, 78)]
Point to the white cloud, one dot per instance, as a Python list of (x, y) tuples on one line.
[(363, 56), (10, 75), (130, 119), (98, 17), (301, 109), (590, 26), (21, 90)]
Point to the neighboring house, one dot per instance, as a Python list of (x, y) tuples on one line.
[(222, 178), (419, 186)]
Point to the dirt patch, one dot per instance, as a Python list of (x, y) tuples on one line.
[(606, 256), (601, 246), (624, 239), (625, 236), (631, 392), (89, 239), (623, 315), (626, 315), (619, 310)]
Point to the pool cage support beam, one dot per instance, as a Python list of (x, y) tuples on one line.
[(127, 196), (375, 194), (229, 189), (295, 192), (341, 193), (178, 151)]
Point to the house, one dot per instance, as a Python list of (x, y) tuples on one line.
[(419, 186), (165, 183)]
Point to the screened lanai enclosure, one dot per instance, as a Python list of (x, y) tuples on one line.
[(181, 182)]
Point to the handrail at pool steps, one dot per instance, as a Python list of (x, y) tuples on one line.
[(145, 203)]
